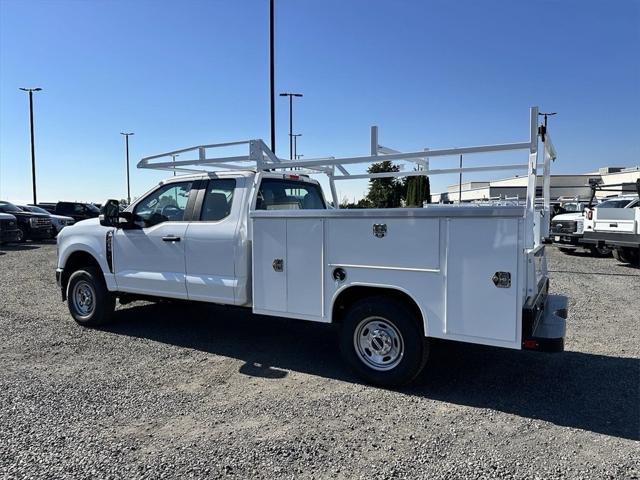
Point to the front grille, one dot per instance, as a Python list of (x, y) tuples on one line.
[(564, 226)]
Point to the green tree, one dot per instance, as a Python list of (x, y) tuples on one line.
[(384, 192), (418, 191)]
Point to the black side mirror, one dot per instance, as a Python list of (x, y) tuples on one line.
[(110, 216)]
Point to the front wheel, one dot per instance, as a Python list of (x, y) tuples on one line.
[(22, 235), (600, 251), (383, 342), (88, 299)]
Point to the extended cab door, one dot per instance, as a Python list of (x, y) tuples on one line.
[(213, 250), (149, 259)]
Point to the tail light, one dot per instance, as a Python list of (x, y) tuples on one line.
[(589, 214)]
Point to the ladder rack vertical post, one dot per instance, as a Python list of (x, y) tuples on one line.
[(532, 179)]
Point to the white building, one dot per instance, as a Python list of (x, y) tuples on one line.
[(568, 186)]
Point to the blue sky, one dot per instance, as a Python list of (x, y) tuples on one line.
[(429, 73)]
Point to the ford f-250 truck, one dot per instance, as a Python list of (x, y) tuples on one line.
[(265, 239)]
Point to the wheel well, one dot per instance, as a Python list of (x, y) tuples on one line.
[(350, 295), (76, 261)]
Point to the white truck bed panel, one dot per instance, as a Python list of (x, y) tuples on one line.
[(444, 263)]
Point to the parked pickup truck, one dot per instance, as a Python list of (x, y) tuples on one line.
[(567, 229), (392, 279), (616, 228), (9, 231), (31, 226), (76, 210)]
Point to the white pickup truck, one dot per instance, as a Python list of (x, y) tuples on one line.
[(616, 228), (390, 278)]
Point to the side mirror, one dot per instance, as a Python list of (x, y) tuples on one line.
[(110, 216)]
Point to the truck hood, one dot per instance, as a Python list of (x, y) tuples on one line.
[(568, 216)]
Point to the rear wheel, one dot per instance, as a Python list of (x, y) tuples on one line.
[(627, 255), (383, 342), (89, 301)]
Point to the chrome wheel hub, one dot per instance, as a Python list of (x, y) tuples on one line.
[(83, 298), (378, 343)]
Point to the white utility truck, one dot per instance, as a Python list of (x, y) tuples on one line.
[(256, 233), (616, 228)]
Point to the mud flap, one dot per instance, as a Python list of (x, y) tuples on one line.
[(550, 331)]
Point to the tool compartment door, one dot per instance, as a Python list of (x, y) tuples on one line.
[(477, 310), (288, 267)]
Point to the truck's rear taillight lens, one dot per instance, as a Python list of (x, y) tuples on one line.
[(589, 214)]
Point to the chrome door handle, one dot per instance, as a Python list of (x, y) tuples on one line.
[(170, 238)]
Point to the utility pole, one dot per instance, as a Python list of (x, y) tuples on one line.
[(290, 95), (272, 81), (33, 147), (126, 142)]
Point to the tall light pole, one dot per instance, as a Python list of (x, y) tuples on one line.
[(126, 143), (272, 81), (290, 95), (33, 147), (295, 145), (174, 155)]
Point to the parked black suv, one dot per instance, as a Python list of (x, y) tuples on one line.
[(76, 210), (32, 226)]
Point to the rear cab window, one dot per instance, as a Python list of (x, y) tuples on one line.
[(287, 194)]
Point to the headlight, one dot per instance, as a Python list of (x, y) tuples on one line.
[(32, 221), (580, 226)]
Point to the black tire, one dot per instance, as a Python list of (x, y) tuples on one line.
[(600, 251), (96, 310), (22, 235), (627, 255), (391, 319)]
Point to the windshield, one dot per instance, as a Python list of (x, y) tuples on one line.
[(617, 203), (572, 207), (31, 208), (9, 207)]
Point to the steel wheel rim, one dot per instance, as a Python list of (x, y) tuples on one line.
[(83, 297), (378, 343)]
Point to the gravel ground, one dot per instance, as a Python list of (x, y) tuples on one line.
[(210, 392)]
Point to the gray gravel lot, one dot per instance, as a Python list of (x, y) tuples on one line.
[(207, 392)]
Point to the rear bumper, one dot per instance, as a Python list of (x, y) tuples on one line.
[(544, 321), (613, 239)]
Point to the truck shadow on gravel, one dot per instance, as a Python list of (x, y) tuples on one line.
[(591, 392)]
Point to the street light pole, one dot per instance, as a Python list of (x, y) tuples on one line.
[(295, 145), (174, 162), (272, 81), (126, 143), (290, 95), (33, 147)]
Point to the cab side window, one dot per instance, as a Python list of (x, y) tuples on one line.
[(218, 199), (166, 204)]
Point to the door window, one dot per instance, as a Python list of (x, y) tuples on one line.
[(276, 194), (218, 199), (166, 204)]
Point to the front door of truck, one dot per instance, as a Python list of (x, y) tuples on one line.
[(149, 259)]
